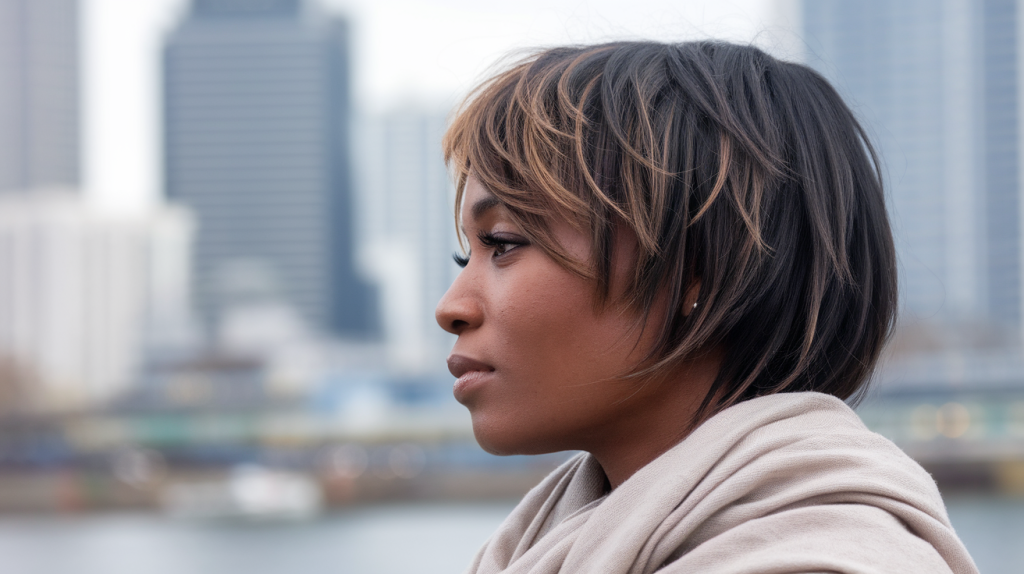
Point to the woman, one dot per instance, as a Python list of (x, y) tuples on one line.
[(680, 263)]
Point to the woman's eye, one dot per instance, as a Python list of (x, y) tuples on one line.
[(503, 247), (500, 244)]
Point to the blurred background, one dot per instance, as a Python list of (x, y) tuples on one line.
[(224, 226)]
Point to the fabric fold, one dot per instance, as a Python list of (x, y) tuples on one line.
[(792, 482)]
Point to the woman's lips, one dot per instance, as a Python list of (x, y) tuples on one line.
[(470, 374), (459, 365)]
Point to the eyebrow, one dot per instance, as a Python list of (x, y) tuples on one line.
[(484, 205)]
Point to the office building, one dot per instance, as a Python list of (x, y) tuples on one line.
[(936, 85), (82, 293), (409, 229), (257, 143), (39, 94)]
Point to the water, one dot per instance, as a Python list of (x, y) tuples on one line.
[(422, 538), (425, 539), (992, 528)]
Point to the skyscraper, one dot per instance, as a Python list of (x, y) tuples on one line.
[(39, 93), (257, 128), (410, 230), (1001, 168), (936, 85)]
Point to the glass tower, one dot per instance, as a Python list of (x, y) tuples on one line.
[(257, 137), (39, 92), (936, 85)]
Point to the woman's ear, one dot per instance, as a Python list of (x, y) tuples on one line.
[(690, 299)]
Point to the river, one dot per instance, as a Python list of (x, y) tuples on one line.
[(421, 538)]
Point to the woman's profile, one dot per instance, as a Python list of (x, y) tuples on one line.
[(678, 261)]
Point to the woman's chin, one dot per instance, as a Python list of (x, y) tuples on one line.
[(493, 442), (501, 440)]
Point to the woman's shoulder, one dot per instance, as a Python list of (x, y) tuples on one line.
[(791, 450), (798, 479), (794, 479)]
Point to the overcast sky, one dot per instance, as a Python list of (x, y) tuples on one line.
[(403, 50)]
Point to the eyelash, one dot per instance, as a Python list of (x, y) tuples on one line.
[(488, 240)]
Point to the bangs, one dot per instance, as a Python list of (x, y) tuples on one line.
[(529, 135)]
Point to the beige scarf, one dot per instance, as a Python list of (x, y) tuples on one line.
[(786, 483)]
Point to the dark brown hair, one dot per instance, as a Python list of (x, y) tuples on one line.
[(734, 169)]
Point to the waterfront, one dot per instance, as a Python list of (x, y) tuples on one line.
[(385, 539), (422, 538)]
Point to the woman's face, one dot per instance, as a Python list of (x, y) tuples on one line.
[(538, 363)]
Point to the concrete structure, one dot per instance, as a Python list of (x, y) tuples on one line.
[(81, 292), (409, 230), (936, 84), (257, 116), (39, 94)]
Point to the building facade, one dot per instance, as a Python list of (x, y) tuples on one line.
[(39, 94), (936, 85), (82, 293), (409, 229), (257, 144)]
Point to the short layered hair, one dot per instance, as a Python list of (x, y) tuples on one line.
[(735, 171)]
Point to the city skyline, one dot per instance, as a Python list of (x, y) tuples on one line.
[(431, 51), (253, 145)]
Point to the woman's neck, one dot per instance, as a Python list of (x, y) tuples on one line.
[(663, 415)]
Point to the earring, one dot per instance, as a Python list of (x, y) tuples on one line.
[(694, 304)]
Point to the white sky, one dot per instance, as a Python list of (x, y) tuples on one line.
[(403, 50)]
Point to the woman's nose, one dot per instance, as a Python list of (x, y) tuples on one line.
[(460, 308)]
